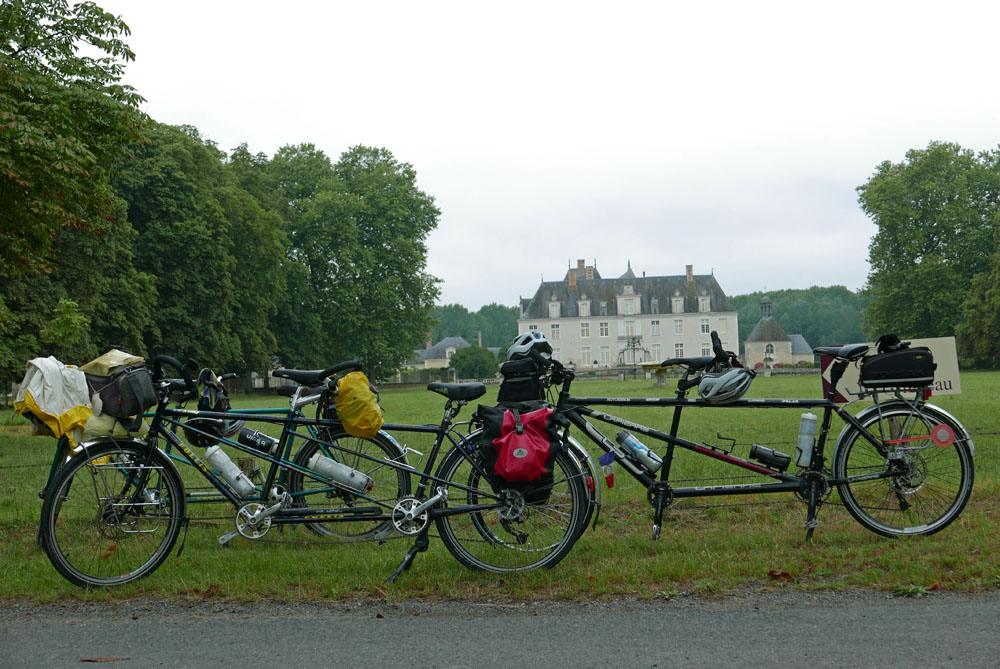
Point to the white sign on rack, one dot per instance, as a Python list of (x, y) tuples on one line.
[(946, 378)]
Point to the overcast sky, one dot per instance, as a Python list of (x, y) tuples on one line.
[(730, 136)]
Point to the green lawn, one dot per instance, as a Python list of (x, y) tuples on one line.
[(708, 546)]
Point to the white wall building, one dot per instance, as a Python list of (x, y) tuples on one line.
[(596, 322)]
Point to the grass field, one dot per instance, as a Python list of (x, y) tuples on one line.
[(708, 546)]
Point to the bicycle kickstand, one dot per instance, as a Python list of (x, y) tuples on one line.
[(419, 546), (659, 506), (811, 520)]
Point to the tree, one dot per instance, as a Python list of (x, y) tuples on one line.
[(65, 121), (823, 315), (979, 333), (933, 212), (474, 362), (357, 234)]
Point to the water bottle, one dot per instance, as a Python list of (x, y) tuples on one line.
[(257, 440), (346, 476), (233, 474), (638, 450), (807, 434)]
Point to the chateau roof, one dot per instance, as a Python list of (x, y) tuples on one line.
[(598, 290), (800, 345)]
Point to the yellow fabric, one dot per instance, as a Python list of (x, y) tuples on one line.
[(58, 425), (357, 406), (105, 425)]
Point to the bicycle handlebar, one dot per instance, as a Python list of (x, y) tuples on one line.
[(173, 384)]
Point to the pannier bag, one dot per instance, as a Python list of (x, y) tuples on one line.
[(357, 406), (520, 442), (901, 367), (521, 381)]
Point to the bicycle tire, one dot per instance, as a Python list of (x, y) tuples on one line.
[(127, 493), (539, 535), (389, 484), (931, 483)]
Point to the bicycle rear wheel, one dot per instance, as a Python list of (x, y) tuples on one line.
[(528, 530), (915, 481), (388, 483), (112, 514)]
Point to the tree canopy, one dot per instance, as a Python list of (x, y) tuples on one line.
[(934, 212)]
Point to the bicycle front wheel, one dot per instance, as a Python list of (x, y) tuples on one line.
[(915, 479), (527, 529), (112, 514)]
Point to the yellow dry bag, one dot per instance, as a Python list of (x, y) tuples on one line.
[(358, 406)]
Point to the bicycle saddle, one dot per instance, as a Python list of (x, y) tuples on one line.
[(694, 364), (458, 391), (846, 352)]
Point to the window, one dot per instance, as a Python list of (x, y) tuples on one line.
[(605, 355), (677, 305), (706, 349), (584, 308), (604, 308), (656, 351), (704, 326), (603, 329), (628, 307), (655, 326), (679, 327), (555, 332), (654, 306), (628, 290), (553, 310), (769, 349), (532, 327), (629, 328), (584, 329), (585, 356), (704, 304), (678, 350)]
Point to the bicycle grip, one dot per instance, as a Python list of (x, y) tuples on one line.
[(720, 352)]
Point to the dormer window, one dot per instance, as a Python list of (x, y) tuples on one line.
[(654, 306), (628, 290), (604, 308), (584, 306), (677, 305), (554, 309), (704, 304)]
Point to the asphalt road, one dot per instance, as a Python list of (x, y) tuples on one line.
[(755, 630)]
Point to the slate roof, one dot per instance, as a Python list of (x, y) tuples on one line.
[(800, 345), (440, 349), (600, 290), (767, 329)]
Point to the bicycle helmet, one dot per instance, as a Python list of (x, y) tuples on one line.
[(523, 344), (726, 385)]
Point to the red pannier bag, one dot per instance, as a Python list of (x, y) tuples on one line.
[(523, 449)]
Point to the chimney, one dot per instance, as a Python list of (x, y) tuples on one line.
[(430, 342), (572, 279), (581, 264), (479, 338), (690, 273)]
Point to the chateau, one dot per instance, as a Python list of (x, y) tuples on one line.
[(596, 322)]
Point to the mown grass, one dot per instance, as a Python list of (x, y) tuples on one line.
[(708, 546)]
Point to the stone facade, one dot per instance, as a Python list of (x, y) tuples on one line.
[(594, 322)]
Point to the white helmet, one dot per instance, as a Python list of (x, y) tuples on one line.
[(725, 386), (524, 343)]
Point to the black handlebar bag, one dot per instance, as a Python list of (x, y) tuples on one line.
[(125, 394)]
